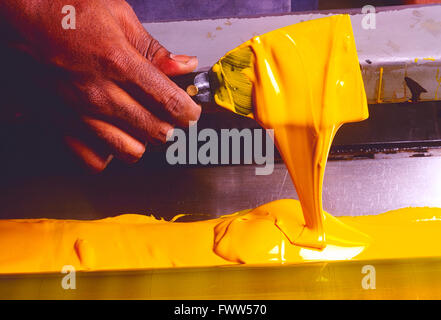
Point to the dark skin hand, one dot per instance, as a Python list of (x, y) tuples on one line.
[(109, 76)]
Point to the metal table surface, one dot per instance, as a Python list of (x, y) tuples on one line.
[(351, 187)]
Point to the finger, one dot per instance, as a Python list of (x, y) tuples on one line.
[(122, 145), (85, 145), (95, 161), (151, 87), (170, 64), (108, 102), (127, 114), (133, 118)]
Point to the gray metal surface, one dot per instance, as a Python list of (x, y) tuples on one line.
[(406, 42), (351, 187)]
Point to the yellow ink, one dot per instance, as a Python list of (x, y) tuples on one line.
[(438, 79), (380, 85), (252, 237), (307, 82)]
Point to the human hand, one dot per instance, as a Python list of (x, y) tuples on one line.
[(110, 75)]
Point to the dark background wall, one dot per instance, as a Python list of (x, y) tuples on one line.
[(169, 10), (166, 10)]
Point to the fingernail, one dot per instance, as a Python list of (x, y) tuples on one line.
[(169, 134), (181, 58), (109, 158)]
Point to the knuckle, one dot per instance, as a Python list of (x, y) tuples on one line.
[(142, 43), (95, 101), (173, 104), (94, 95), (153, 49), (182, 108), (116, 60)]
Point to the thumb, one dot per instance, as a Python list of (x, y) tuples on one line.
[(174, 65)]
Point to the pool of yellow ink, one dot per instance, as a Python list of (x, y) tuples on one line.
[(307, 83), (250, 237)]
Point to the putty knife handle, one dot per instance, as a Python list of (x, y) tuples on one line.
[(200, 90)]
